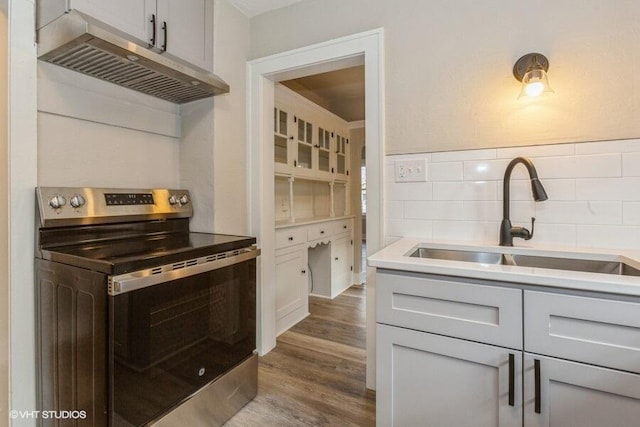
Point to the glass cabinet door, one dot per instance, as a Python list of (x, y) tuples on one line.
[(323, 149), (305, 138), (341, 163), (280, 136)]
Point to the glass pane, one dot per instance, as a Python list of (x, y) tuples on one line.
[(326, 139), (280, 145), (340, 163), (321, 137), (275, 120), (323, 161), (304, 156), (309, 133), (283, 122), (300, 130)]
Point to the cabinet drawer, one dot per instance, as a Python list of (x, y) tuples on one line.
[(476, 312), (342, 226), (319, 231), (290, 236), (592, 330)]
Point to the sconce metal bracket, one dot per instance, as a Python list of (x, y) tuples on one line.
[(529, 62)]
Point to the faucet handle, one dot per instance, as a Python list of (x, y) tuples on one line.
[(529, 235)]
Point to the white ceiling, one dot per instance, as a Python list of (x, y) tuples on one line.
[(252, 8)]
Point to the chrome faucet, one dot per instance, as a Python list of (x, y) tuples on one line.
[(507, 231)]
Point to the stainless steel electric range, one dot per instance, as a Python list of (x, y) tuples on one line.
[(140, 321)]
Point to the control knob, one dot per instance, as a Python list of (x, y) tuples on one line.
[(184, 199), (173, 199), (77, 201), (57, 201)]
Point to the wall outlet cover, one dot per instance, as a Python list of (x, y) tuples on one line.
[(411, 170)]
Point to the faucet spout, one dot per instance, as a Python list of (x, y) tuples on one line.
[(507, 231)]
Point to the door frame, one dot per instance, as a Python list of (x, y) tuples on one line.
[(262, 73)]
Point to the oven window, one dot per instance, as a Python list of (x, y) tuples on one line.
[(169, 340)]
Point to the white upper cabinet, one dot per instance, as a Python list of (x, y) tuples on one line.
[(130, 17), (182, 30), (185, 31)]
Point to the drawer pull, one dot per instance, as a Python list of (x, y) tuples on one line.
[(304, 271), (512, 379), (336, 258), (536, 373), (344, 226), (290, 239), (321, 231)]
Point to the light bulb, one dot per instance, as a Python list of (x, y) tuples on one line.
[(534, 89)]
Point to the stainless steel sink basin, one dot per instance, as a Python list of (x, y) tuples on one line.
[(455, 255), (570, 264)]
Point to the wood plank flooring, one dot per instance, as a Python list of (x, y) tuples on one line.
[(316, 374)]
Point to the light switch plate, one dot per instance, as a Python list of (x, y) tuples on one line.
[(411, 170)]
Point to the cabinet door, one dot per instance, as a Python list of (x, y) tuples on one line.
[(572, 394), (185, 31), (341, 265), (292, 302), (282, 153), (130, 17), (436, 381)]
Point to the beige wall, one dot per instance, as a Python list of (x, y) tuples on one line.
[(448, 66), (4, 223)]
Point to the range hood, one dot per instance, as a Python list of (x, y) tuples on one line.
[(82, 44)]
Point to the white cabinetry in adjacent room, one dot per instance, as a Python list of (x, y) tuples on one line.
[(292, 301), (462, 352), (182, 30)]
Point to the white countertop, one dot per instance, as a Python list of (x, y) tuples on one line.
[(395, 257), (312, 220)]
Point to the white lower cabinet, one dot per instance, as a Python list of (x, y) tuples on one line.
[(292, 301), (341, 265), (436, 381), (570, 394), (571, 361)]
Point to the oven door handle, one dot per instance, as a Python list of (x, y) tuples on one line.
[(128, 282)]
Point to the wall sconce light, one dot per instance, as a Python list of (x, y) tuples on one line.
[(531, 70)]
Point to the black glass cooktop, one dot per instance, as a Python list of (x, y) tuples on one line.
[(125, 255)]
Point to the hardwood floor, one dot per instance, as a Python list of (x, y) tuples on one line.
[(316, 374)]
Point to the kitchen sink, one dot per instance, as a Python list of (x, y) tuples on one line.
[(455, 255), (557, 263), (572, 264)]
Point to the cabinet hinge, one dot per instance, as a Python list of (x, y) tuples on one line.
[(347, 141), (352, 242), (295, 119), (331, 134), (347, 173), (295, 163), (352, 268)]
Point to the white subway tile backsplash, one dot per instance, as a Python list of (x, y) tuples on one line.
[(395, 210), (466, 231), (631, 164), (579, 212), (608, 236), (491, 170), (553, 234), (465, 190), (621, 146), (626, 189), (446, 171), (410, 228), (536, 151), (591, 166), (593, 189), (433, 210), (409, 191), (454, 156), (631, 213)]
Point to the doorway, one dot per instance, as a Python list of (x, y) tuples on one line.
[(363, 48)]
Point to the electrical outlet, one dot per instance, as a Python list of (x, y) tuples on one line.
[(411, 170)]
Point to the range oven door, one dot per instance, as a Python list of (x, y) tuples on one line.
[(175, 329)]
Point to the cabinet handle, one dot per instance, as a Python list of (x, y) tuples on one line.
[(536, 373), (512, 379), (153, 29), (316, 146), (344, 226), (304, 271), (164, 28), (336, 258), (291, 239), (321, 231), (291, 138)]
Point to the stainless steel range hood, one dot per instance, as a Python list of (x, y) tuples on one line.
[(82, 44)]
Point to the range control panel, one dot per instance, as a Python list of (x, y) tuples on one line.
[(62, 206)]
